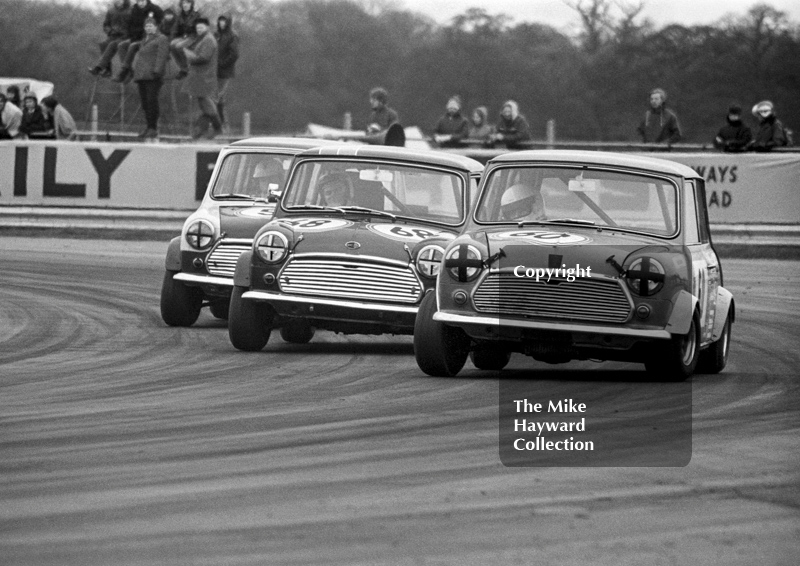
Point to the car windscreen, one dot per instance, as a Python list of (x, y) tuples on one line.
[(256, 175), (580, 195), (401, 190)]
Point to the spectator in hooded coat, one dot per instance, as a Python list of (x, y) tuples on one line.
[(10, 119), (479, 127), (734, 136), (34, 124), (228, 54), (512, 127), (116, 27), (660, 124), (64, 127), (771, 132), (452, 127)]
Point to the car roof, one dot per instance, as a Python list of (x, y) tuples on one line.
[(283, 143), (626, 160), (429, 157)]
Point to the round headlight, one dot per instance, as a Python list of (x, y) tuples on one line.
[(429, 260), (463, 262), (645, 276), (200, 234), (272, 247)]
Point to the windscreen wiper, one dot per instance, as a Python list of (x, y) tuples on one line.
[(366, 210), (570, 221), (235, 195)]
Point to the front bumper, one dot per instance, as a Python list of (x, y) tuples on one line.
[(471, 322), (337, 309)]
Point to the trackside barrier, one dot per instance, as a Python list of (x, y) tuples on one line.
[(742, 188)]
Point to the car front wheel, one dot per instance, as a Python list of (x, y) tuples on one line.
[(440, 350), (676, 359), (180, 305), (249, 322)]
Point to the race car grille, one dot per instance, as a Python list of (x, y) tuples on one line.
[(222, 259), (584, 299), (348, 279)]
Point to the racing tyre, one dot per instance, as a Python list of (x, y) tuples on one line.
[(297, 332), (180, 305), (219, 308), (249, 322), (676, 360), (440, 350), (714, 358), (488, 358)]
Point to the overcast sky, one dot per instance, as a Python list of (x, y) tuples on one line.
[(557, 14)]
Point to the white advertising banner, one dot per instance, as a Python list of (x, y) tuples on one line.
[(741, 188), (117, 175), (747, 187)]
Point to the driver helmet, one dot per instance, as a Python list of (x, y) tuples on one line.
[(271, 168), (518, 201)]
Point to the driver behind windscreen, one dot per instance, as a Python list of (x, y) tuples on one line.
[(335, 189), (523, 203), (269, 175)]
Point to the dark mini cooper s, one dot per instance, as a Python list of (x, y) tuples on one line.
[(572, 255), (356, 241)]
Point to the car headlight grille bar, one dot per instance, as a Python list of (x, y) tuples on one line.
[(584, 299), (349, 279), (222, 259)]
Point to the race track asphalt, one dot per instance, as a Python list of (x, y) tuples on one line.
[(126, 442)]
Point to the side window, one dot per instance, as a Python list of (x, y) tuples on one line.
[(690, 230), (702, 212)]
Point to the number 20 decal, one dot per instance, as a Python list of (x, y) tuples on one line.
[(402, 233)]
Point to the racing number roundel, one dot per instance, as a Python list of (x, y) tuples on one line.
[(543, 237), (314, 224), (403, 233)]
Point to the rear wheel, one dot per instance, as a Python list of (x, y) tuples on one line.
[(249, 322), (676, 359), (297, 332), (714, 358), (440, 350), (180, 305), (489, 358)]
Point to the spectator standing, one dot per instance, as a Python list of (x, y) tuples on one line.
[(10, 119), (512, 127), (228, 54), (771, 132), (201, 84), (141, 11), (34, 124), (734, 136), (452, 127), (148, 73), (185, 32), (660, 124), (382, 116), (64, 127), (115, 25), (479, 127)]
